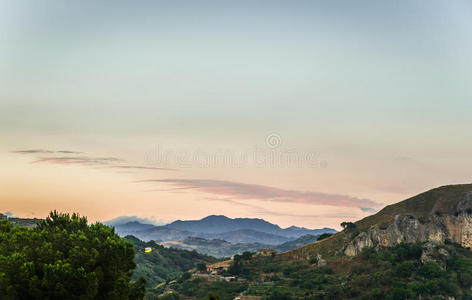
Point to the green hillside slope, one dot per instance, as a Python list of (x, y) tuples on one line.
[(163, 264), (442, 200)]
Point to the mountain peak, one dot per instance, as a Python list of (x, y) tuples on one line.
[(220, 223), (215, 217)]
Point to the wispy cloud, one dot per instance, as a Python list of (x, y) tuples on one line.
[(42, 151), (142, 168), (69, 157), (243, 191), (82, 160), (68, 152), (368, 209), (33, 151), (264, 211)]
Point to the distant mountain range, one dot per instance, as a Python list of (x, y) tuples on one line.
[(220, 235), (222, 224)]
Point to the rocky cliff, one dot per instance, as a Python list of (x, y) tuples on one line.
[(440, 214), (454, 225)]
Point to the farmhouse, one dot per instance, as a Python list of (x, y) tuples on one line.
[(219, 266), (265, 252)]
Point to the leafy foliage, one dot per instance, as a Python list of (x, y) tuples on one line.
[(201, 289), (348, 225), (387, 273), (62, 257)]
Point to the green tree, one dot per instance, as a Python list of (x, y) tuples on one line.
[(246, 255), (65, 258), (201, 267), (348, 225)]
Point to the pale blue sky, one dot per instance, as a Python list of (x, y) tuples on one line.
[(366, 82)]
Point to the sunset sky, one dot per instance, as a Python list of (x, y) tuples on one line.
[(303, 113)]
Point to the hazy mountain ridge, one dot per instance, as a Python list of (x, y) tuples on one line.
[(218, 227), (222, 236), (221, 224), (133, 226)]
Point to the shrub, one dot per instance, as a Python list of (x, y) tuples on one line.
[(430, 270), (404, 269), (324, 236)]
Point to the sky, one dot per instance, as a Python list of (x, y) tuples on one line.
[(303, 113)]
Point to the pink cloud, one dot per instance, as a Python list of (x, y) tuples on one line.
[(243, 191)]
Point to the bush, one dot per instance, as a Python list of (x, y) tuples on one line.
[(324, 236), (400, 294), (465, 279), (404, 269), (430, 270)]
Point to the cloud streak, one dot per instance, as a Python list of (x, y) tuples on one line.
[(82, 160), (68, 157), (243, 191), (264, 211), (368, 209), (42, 151), (142, 168)]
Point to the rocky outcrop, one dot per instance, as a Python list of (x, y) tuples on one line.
[(432, 252), (456, 228), (320, 262)]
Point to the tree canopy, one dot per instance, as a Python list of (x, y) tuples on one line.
[(65, 258), (348, 225)]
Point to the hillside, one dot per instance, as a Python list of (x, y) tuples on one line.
[(216, 248), (417, 248), (406, 271), (447, 204), (300, 242), (163, 264)]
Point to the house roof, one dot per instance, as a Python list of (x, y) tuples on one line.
[(267, 250)]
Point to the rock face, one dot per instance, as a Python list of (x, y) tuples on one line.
[(432, 252), (320, 261), (456, 227)]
